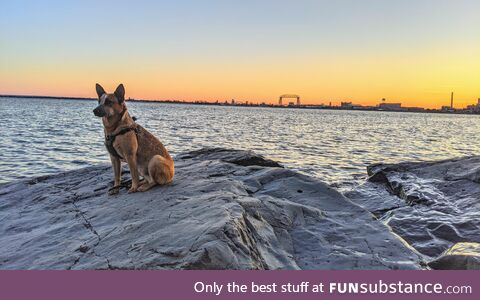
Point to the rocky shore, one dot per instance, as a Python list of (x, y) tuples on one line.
[(433, 206), (226, 209), (229, 209)]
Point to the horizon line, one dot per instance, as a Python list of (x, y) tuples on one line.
[(218, 101)]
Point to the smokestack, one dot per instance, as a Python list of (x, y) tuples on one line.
[(451, 101)]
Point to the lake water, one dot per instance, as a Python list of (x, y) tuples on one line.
[(45, 136)]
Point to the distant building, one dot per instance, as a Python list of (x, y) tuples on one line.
[(474, 107), (446, 108), (415, 109), (350, 105), (390, 106)]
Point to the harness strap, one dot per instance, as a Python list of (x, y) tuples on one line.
[(110, 138)]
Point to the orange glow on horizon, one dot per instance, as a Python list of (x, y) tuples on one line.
[(422, 80)]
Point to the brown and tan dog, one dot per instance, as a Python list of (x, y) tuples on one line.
[(127, 141)]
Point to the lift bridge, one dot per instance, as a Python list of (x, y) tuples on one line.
[(288, 96)]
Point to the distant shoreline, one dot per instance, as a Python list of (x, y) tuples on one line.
[(310, 106)]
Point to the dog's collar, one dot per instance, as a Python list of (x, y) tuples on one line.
[(112, 136)]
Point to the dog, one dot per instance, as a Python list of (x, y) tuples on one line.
[(126, 141)]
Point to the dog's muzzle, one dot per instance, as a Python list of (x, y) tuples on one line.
[(99, 111)]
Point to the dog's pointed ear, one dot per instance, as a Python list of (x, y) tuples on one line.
[(120, 93), (100, 90)]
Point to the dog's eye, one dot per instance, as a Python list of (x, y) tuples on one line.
[(108, 102)]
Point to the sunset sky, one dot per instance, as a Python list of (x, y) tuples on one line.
[(410, 51)]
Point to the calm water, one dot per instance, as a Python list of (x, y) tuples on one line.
[(44, 136)]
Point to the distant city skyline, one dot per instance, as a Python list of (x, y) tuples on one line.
[(473, 107), (410, 52)]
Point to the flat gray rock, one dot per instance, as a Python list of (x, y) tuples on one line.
[(225, 209), (432, 205)]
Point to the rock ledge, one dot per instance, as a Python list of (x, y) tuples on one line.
[(432, 205), (226, 209)]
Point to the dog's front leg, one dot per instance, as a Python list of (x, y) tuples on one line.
[(117, 174), (132, 165)]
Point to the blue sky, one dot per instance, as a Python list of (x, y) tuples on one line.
[(191, 36)]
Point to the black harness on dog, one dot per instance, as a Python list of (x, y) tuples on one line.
[(110, 138)]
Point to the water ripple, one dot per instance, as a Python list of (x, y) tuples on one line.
[(44, 136)]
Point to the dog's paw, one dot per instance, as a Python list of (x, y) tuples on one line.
[(143, 188), (132, 190), (114, 190)]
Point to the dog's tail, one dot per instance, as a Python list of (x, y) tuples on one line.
[(161, 169)]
